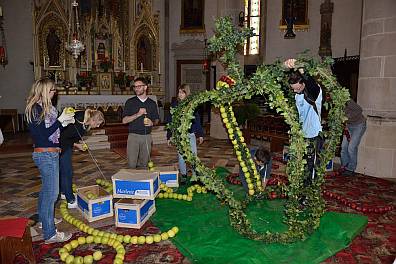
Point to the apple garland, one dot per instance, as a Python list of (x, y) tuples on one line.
[(271, 81), (101, 237)]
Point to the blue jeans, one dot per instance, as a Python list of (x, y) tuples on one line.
[(349, 150), (66, 174), (182, 163), (48, 165)]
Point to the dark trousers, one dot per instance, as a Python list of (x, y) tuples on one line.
[(66, 174), (315, 145)]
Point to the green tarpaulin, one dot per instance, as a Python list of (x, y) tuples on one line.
[(206, 235)]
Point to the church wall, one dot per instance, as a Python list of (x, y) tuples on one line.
[(345, 30), (17, 76)]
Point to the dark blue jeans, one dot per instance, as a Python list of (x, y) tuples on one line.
[(48, 165), (66, 174)]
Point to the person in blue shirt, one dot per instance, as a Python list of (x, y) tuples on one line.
[(308, 97), (263, 160), (196, 131), (44, 127)]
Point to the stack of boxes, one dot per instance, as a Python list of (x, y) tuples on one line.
[(138, 190)]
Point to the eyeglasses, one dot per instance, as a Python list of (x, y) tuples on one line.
[(138, 86)]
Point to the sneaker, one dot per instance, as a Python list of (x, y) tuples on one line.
[(56, 221), (348, 173), (62, 196), (72, 205), (59, 237)]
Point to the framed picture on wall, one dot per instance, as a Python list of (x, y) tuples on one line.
[(298, 10), (192, 16)]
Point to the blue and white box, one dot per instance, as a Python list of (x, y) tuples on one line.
[(135, 184), (133, 213), (285, 153), (329, 166), (169, 175), (96, 208)]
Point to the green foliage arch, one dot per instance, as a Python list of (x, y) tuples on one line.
[(268, 80)]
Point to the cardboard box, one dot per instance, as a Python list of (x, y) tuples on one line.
[(169, 175), (97, 208), (329, 166), (285, 153), (135, 184), (133, 213)]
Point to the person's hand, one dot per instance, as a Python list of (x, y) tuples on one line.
[(142, 111), (290, 63), (66, 117), (200, 140), (79, 146), (147, 122), (169, 142)]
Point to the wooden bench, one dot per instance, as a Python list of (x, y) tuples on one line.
[(269, 127)]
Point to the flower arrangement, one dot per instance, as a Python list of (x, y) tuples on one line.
[(120, 79), (84, 79), (106, 64)]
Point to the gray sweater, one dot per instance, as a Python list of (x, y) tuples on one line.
[(354, 114)]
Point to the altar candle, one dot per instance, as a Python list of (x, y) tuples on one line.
[(1, 12), (124, 67), (141, 66), (87, 65), (159, 67)]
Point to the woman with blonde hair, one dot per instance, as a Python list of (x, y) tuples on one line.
[(195, 131), (71, 137), (44, 126)]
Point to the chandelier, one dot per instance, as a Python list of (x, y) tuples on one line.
[(74, 45)]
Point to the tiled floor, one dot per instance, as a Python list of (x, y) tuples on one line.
[(20, 181)]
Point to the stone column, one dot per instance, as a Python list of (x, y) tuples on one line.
[(377, 88)]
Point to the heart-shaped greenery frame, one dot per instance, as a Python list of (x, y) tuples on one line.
[(269, 80)]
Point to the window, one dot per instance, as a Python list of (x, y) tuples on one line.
[(252, 18)]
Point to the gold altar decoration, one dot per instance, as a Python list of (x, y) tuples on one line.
[(121, 38)]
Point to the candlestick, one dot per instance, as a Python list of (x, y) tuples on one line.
[(141, 66), (124, 67), (159, 67), (44, 60), (87, 65)]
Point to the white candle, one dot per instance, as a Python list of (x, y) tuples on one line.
[(56, 78), (44, 60), (141, 66), (159, 67), (1, 11), (87, 65), (124, 67)]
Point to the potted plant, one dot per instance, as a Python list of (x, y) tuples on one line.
[(106, 64)]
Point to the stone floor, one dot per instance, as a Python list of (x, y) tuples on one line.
[(20, 180)]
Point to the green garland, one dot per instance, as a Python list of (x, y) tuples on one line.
[(268, 80)]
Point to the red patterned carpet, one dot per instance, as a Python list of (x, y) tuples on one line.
[(368, 195), (376, 244)]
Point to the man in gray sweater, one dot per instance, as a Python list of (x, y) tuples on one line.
[(354, 129)]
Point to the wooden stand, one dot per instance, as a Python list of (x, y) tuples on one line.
[(10, 247)]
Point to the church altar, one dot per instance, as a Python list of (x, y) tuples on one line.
[(94, 101)]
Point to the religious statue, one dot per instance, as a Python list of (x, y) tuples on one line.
[(53, 47), (101, 52)]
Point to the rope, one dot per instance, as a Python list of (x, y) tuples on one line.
[(90, 153)]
